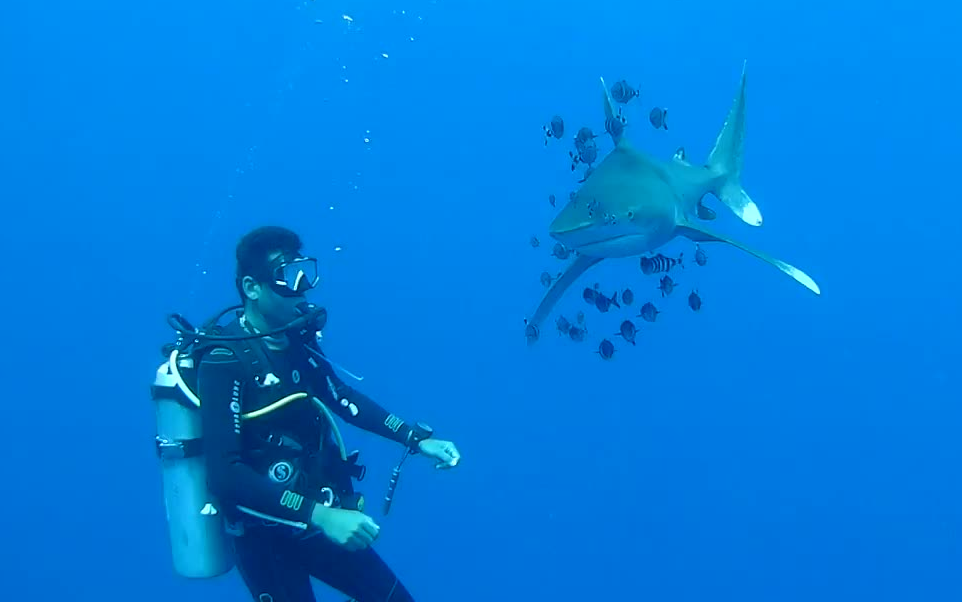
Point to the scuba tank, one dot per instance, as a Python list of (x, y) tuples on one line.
[(198, 539), (200, 548)]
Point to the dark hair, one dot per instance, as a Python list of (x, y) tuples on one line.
[(254, 248)]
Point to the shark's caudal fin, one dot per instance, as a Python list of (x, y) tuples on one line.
[(700, 234), (726, 161)]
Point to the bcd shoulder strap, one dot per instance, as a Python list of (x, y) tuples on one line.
[(250, 352)]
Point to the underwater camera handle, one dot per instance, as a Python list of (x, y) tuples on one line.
[(419, 433)]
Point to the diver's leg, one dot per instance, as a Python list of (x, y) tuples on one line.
[(363, 575), (269, 565)]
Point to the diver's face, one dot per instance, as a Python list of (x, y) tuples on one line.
[(275, 310)]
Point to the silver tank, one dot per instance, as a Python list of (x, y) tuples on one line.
[(200, 546)]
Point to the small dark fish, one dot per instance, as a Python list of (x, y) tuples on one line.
[(547, 279), (535, 243), (621, 92), (660, 263), (614, 299), (531, 333), (666, 286), (577, 334), (587, 175), (552, 200), (590, 154), (606, 349), (658, 118), (580, 318), (627, 297), (593, 205), (563, 325), (554, 129), (560, 251), (583, 137), (584, 140), (700, 257), (628, 331), (587, 154), (589, 295), (604, 303), (615, 126), (557, 125), (694, 301), (649, 313)]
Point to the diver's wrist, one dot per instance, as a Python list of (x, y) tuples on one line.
[(319, 515), (417, 433)]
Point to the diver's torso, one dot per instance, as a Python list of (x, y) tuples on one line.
[(294, 429)]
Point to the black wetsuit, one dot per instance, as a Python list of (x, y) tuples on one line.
[(275, 465)]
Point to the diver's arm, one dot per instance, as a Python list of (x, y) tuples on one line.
[(220, 386), (367, 414)]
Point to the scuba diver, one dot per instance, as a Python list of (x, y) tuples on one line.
[(255, 471)]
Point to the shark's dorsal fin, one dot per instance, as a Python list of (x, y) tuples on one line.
[(609, 111)]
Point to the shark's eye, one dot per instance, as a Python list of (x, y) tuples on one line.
[(631, 215)]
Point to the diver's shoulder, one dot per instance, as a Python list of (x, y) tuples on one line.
[(219, 355)]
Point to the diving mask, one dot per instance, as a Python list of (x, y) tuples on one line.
[(292, 277)]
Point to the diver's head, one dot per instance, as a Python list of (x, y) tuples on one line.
[(273, 276)]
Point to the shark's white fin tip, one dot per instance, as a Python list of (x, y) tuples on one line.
[(803, 279), (751, 215)]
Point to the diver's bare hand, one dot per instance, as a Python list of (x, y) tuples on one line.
[(444, 453), (350, 529)]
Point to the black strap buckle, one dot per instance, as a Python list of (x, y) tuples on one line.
[(355, 470), (418, 433), (177, 449), (285, 442)]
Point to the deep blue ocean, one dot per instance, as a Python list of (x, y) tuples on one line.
[(776, 445)]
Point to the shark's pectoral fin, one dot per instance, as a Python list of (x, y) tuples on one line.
[(578, 267), (701, 234)]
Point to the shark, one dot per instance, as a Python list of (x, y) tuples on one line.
[(633, 203)]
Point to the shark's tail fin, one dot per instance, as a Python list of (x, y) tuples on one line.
[(726, 161)]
